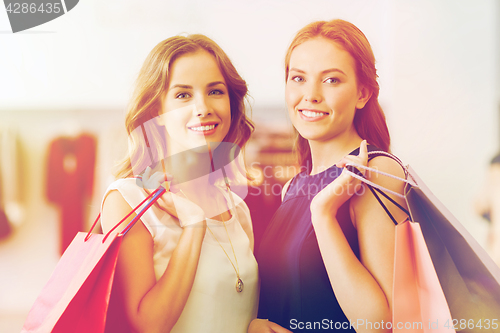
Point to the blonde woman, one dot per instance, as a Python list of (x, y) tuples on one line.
[(197, 272)]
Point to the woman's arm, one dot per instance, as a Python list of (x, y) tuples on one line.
[(363, 287), (152, 306)]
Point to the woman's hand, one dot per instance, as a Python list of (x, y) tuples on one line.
[(329, 200), (265, 326), (176, 205), (152, 181)]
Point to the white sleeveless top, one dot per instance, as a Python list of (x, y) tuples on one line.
[(213, 304)]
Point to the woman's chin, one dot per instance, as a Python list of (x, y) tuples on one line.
[(312, 135)]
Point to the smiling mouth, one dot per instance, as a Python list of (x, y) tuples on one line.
[(313, 114), (203, 128)]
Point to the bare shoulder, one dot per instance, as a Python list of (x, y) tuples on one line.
[(114, 208), (390, 166), (114, 197), (365, 207)]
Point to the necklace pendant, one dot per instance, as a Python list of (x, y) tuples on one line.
[(239, 285)]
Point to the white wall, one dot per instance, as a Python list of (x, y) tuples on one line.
[(437, 61)]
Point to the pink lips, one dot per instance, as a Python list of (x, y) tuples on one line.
[(305, 118)]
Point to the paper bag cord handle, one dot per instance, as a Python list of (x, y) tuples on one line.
[(372, 155), (155, 195), (376, 153), (383, 205), (357, 174), (409, 179)]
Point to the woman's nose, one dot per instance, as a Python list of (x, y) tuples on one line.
[(201, 108), (313, 94)]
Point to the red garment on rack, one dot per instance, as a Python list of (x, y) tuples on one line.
[(70, 178)]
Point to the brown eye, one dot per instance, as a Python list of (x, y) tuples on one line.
[(182, 95), (332, 80), (216, 92), (297, 79)]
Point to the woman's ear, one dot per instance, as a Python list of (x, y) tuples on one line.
[(159, 117), (364, 95)]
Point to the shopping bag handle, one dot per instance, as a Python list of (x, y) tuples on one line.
[(371, 155), (352, 169), (154, 196)]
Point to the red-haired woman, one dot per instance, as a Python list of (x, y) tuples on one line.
[(326, 259)]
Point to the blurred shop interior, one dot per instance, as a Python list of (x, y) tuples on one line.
[(62, 121)]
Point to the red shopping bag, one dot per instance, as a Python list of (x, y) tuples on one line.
[(76, 297)]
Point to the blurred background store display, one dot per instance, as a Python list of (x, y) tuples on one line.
[(487, 205), (64, 87)]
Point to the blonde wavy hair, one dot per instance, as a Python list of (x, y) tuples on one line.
[(147, 142)]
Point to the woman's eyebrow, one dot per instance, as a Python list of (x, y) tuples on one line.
[(211, 84), (330, 70), (182, 86), (185, 86), (297, 70)]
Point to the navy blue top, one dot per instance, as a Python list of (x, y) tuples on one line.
[(294, 283)]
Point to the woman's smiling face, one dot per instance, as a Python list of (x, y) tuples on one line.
[(196, 107), (322, 94)]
